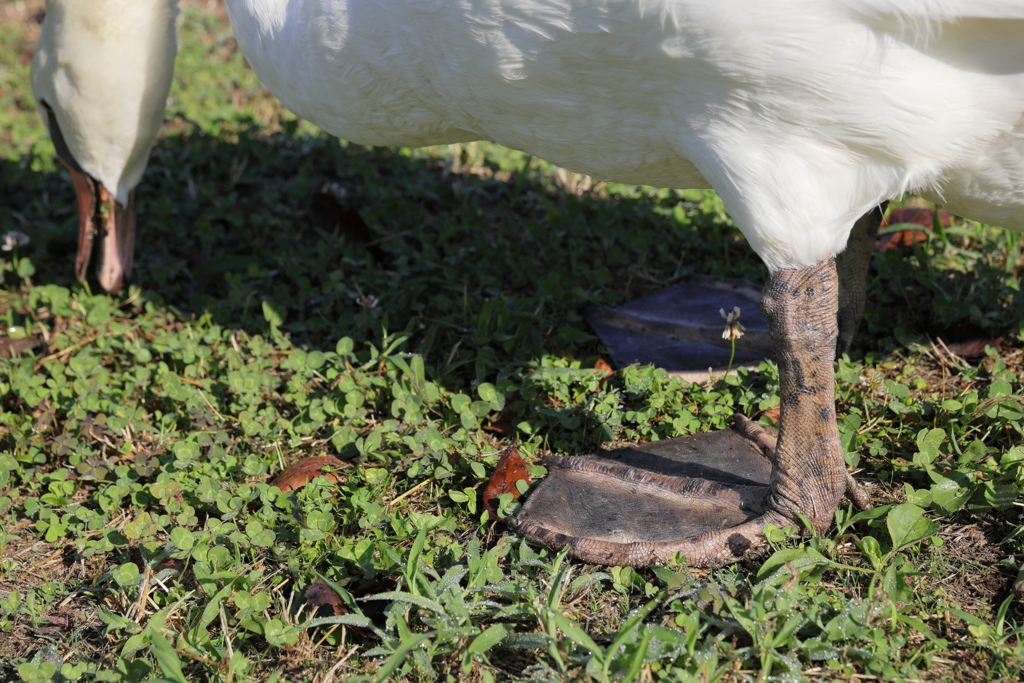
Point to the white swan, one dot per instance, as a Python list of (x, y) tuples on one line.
[(101, 73), (802, 114)]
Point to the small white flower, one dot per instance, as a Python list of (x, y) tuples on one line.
[(367, 301), (336, 190), (14, 238), (733, 327)]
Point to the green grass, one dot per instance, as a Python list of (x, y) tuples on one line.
[(140, 537)]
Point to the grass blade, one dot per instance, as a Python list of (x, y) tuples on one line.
[(395, 660), (167, 658)]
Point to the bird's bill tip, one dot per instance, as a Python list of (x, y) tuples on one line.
[(114, 260), (103, 220)]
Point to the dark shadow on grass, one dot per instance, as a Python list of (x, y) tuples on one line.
[(315, 228), (484, 272)]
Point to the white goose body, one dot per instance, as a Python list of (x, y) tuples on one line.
[(101, 73), (803, 114), (104, 67)]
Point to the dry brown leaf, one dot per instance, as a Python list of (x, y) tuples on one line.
[(794, 576), (335, 209), (507, 472), (300, 473), (319, 593), (974, 348), (167, 563), (11, 348)]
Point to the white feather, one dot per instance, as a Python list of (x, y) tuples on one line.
[(803, 114), (105, 67)]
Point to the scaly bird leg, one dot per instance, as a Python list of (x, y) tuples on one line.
[(809, 476), (766, 441), (712, 508), (852, 266)]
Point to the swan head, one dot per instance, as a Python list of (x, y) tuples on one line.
[(101, 74)]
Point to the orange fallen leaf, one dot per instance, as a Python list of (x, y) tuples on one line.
[(603, 366), (905, 239), (773, 413), (507, 472), (502, 424), (300, 473)]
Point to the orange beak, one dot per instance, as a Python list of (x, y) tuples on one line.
[(102, 218)]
